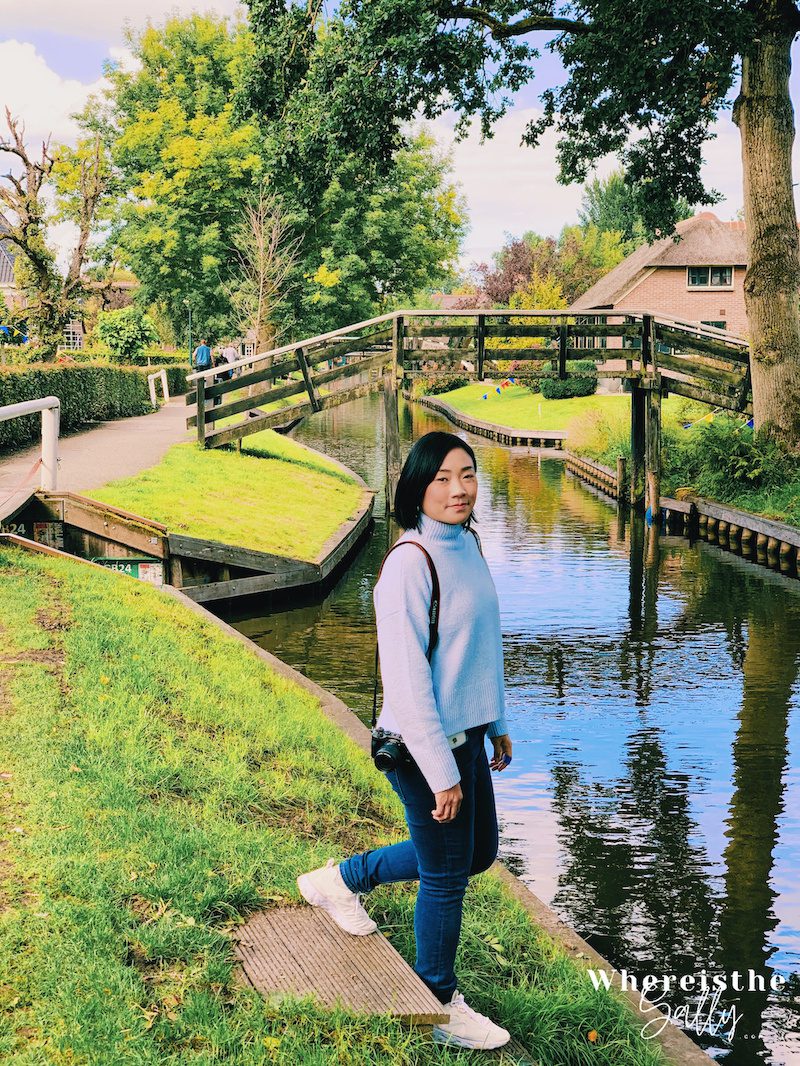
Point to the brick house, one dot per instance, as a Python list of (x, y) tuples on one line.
[(698, 278), (8, 288)]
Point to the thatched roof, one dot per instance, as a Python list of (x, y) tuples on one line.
[(702, 241)]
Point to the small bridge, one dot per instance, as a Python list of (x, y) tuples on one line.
[(654, 354)]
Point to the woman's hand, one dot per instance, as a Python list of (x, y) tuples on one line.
[(448, 804), (502, 752)]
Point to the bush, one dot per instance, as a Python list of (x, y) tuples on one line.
[(434, 386), (585, 384), (723, 457), (127, 332), (87, 393)]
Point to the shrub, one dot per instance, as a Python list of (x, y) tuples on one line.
[(433, 386), (87, 393), (725, 456), (585, 384), (127, 332)]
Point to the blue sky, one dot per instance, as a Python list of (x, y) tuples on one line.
[(52, 55)]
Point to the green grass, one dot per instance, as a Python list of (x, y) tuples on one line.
[(275, 497), (158, 783)]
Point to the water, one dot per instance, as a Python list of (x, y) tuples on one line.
[(652, 691)]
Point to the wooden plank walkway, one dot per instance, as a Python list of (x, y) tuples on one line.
[(300, 951)]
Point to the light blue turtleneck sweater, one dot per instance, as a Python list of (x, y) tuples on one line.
[(462, 686)]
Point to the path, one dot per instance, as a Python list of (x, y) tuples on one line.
[(101, 453)]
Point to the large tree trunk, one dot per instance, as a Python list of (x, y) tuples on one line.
[(765, 117)]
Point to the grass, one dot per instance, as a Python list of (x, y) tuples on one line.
[(277, 496), (158, 783)]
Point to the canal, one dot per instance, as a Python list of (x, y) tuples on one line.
[(653, 698)]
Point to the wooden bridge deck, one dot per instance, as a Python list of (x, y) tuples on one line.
[(300, 951)]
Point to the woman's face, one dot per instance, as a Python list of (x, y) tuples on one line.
[(451, 495)]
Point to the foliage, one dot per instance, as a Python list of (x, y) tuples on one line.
[(725, 456), (127, 332), (583, 384), (534, 267), (87, 393), (434, 386), (610, 205)]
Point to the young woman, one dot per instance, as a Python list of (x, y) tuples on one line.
[(443, 708)]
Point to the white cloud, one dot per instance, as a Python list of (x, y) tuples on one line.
[(104, 19), (37, 95)]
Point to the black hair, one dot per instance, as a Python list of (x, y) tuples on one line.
[(420, 468)]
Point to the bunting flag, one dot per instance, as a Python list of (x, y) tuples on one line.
[(13, 332)]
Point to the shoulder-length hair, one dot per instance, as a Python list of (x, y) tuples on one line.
[(420, 468)]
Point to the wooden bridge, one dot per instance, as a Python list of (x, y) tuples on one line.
[(654, 354)]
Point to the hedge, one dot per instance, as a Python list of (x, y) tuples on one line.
[(585, 385), (88, 393)]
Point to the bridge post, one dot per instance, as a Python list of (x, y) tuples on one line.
[(480, 344), (391, 413), (312, 392), (653, 450), (201, 410), (636, 495), (562, 349)]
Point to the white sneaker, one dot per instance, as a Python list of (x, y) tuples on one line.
[(467, 1028), (326, 888)]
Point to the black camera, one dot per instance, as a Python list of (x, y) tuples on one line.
[(388, 750)]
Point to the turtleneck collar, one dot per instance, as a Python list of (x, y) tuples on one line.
[(430, 529)]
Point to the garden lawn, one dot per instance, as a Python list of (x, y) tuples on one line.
[(518, 408), (158, 782), (282, 498)]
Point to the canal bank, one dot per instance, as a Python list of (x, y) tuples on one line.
[(161, 779)]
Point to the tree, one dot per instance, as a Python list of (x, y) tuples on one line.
[(610, 205), (80, 178), (646, 79), (267, 256), (127, 332), (186, 163)]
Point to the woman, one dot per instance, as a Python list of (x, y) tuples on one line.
[(443, 708)]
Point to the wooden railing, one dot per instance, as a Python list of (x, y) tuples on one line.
[(652, 352)]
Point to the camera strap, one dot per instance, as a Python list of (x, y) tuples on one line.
[(433, 613)]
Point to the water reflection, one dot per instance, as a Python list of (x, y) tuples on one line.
[(652, 691)]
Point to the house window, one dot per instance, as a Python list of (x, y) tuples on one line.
[(591, 342), (710, 277), (716, 325), (73, 336)]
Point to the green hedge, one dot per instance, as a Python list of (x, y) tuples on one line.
[(585, 385), (88, 393)]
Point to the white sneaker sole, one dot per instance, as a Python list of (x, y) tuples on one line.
[(459, 1041), (312, 895)]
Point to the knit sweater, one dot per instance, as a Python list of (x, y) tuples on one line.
[(462, 686)]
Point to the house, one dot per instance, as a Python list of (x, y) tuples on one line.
[(8, 287), (698, 278)]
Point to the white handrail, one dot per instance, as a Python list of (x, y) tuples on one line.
[(151, 384), (50, 407)]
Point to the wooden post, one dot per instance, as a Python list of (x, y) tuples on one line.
[(562, 349), (636, 495), (201, 410), (392, 417), (653, 450), (480, 343), (312, 392), (622, 486), (647, 341)]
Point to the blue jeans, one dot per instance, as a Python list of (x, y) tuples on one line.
[(441, 856)]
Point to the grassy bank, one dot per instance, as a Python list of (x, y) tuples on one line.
[(277, 496), (158, 783)]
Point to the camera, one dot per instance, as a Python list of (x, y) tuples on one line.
[(388, 750)]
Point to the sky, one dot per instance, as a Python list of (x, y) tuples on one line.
[(52, 54)]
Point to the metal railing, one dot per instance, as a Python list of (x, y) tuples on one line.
[(50, 407)]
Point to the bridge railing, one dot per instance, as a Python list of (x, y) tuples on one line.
[(697, 361)]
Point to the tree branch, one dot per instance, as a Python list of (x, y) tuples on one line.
[(501, 30)]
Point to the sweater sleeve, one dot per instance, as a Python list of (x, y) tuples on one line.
[(402, 602)]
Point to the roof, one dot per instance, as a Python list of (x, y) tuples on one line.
[(7, 257), (703, 241)]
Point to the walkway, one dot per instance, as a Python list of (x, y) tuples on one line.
[(102, 453)]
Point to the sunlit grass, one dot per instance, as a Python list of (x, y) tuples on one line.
[(162, 782), (282, 498)]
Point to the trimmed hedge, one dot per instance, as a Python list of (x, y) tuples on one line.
[(585, 385), (88, 393)]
